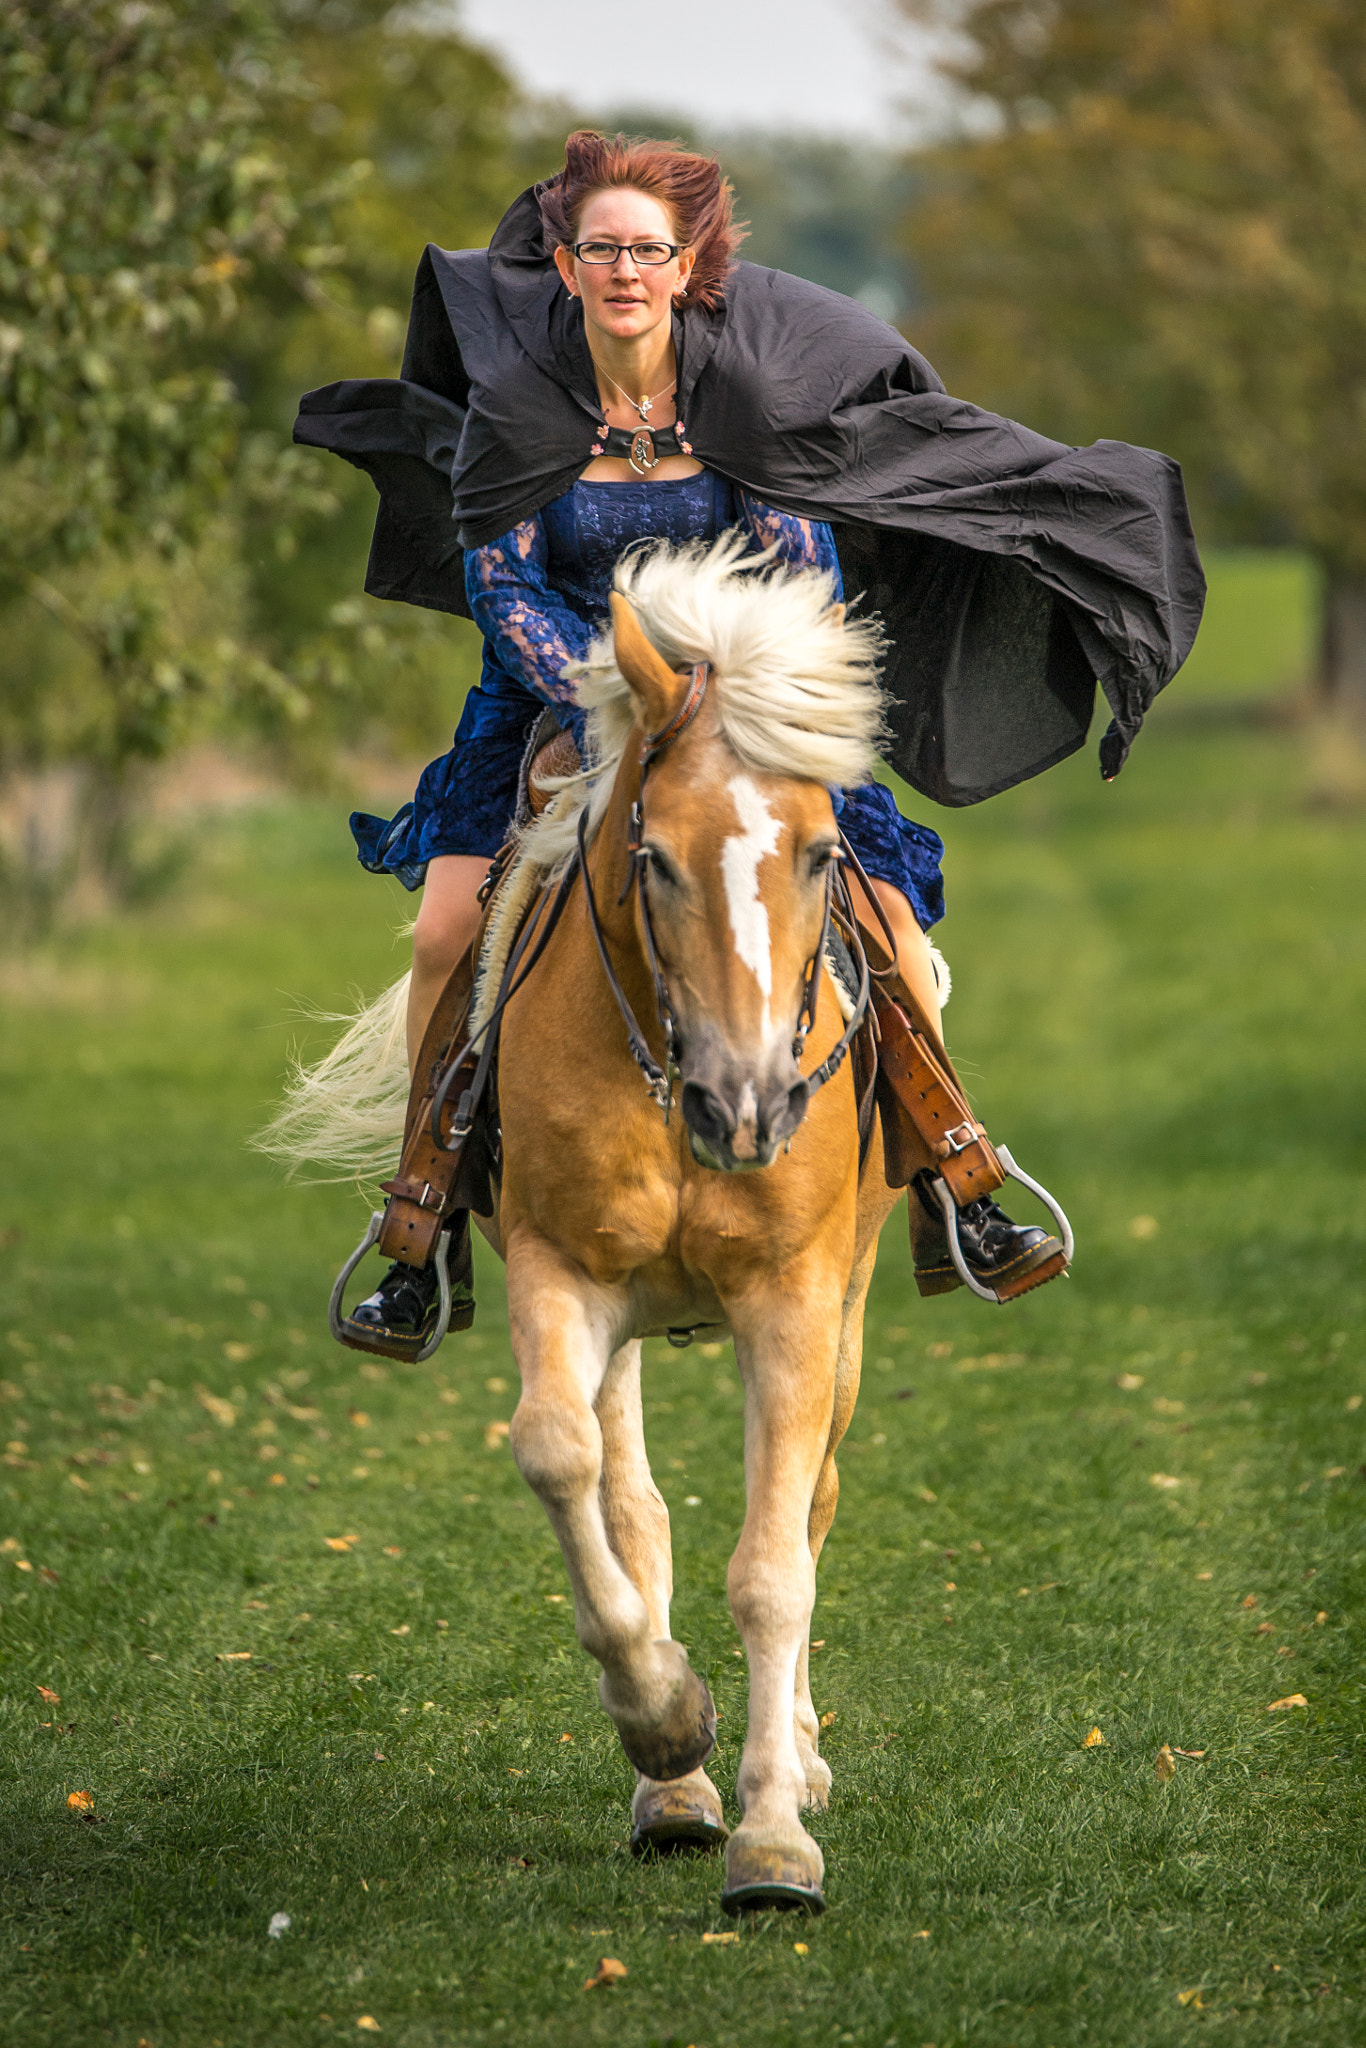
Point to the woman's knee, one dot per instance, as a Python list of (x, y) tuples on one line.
[(448, 914)]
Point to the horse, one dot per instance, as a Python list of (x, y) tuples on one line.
[(730, 699)]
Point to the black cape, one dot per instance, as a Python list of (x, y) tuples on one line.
[(1010, 571)]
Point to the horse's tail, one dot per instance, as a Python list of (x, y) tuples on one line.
[(346, 1112)]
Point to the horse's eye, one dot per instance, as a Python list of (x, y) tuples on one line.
[(659, 866), (823, 857)]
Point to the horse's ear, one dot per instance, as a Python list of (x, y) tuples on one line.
[(836, 613), (655, 687)]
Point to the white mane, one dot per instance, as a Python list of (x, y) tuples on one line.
[(795, 682)]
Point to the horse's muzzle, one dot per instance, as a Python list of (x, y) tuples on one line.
[(735, 1129)]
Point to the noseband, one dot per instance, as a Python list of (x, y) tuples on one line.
[(659, 1080)]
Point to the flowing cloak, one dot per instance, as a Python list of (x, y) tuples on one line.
[(1011, 572)]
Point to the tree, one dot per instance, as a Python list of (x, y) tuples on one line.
[(1149, 224), (206, 206)]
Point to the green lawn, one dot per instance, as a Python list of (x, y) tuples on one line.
[(1134, 1501)]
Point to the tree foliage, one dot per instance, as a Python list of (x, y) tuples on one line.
[(1150, 225), (205, 207)]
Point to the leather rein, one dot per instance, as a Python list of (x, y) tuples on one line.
[(536, 932), (659, 1079)]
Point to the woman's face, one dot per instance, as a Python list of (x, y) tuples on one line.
[(624, 299)]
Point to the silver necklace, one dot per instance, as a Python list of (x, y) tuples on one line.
[(643, 406)]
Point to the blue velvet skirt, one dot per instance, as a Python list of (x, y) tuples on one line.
[(465, 803)]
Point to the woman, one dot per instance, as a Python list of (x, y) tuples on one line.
[(642, 244)]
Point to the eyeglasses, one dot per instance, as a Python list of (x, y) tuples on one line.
[(647, 254)]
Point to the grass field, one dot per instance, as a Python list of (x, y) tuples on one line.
[(1133, 1502)]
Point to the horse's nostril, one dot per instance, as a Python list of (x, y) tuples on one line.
[(705, 1113), (787, 1110)]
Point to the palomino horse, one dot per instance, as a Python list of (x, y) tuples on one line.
[(749, 1211)]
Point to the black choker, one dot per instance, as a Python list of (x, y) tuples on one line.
[(643, 447)]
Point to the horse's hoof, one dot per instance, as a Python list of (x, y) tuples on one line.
[(679, 1817), (682, 1742), (773, 1898), (763, 1875)]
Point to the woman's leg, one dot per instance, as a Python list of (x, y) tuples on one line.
[(447, 920), (912, 947)]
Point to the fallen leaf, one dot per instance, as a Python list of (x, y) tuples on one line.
[(1250, 1601), (1190, 1752), (75, 1479), (280, 1923), (1321, 1617), (1204, 1575), (1143, 1228), (81, 1802), (403, 1630), (1265, 1628), (232, 1656), (1162, 1406), (718, 1939), (1165, 1765), (496, 1385), (609, 1971), (392, 1550), (222, 1411), (1165, 1480), (359, 1418), (342, 1543), (238, 1354), (826, 1719), (1191, 1998), (923, 1935), (21, 1564), (566, 1738), (1093, 1740), (555, 1599), (926, 1495), (1292, 1699), (1335, 1472), (1352, 1403), (1129, 1382), (45, 1692), (496, 1433), (819, 1645), (368, 2024), (800, 1948)]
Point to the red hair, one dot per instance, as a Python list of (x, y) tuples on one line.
[(698, 197)]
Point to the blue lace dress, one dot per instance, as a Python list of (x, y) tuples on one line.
[(538, 594)]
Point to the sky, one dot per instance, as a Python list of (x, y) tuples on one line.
[(822, 65)]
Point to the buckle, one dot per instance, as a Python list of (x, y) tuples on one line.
[(953, 1142)]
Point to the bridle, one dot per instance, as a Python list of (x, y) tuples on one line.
[(659, 1079)]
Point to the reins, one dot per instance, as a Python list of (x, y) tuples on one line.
[(536, 933), (659, 1079)]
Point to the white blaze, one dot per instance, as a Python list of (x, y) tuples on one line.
[(740, 858)]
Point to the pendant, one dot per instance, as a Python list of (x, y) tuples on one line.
[(643, 455), (645, 406)]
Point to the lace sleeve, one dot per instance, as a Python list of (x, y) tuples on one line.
[(531, 629), (801, 543)]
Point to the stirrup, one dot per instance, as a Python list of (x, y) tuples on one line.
[(381, 1345), (940, 1191)]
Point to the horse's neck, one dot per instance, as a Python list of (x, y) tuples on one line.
[(609, 857)]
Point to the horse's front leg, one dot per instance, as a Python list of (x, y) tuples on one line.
[(564, 1331), (685, 1812), (848, 1369), (786, 1345)]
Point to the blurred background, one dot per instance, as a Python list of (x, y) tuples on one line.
[(1136, 220)]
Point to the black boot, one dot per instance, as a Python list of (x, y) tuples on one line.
[(401, 1314), (1009, 1258)]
